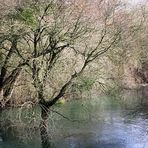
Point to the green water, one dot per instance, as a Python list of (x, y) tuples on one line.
[(99, 122)]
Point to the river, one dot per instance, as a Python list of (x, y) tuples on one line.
[(98, 122)]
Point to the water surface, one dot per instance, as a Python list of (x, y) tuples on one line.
[(99, 122)]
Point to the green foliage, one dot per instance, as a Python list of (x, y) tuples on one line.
[(84, 84), (26, 16), (61, 102)]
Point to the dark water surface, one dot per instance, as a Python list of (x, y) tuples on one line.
[(100, 122)]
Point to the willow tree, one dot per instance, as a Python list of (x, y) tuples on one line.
[(60, 28)]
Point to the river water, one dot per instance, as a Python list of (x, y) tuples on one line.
[(99, 122)]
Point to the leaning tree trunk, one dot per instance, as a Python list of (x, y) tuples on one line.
[(7, 87)]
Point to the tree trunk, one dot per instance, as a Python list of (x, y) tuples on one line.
[(2, 75), (44, 127), (6, 87)]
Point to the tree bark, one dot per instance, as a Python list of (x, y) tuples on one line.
[(44, 127), (7, 87), (44, 119)]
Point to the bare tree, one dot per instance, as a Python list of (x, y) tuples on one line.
[(61, 28), (52, 30)]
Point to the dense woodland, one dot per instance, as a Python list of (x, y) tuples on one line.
[(70, 49), (54, 49)]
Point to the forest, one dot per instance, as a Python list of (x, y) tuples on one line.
[(73, 73)]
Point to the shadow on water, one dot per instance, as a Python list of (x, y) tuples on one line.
[(102, 122)]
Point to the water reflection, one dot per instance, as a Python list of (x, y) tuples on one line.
[(104, 122)]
